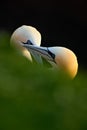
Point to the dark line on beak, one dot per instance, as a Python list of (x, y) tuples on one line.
[(51, 54)]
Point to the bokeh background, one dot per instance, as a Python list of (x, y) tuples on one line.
[(61, 22), (33, 97)]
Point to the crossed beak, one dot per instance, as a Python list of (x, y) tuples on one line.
[(42, 51)]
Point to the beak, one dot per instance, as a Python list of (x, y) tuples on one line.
[(41, 51)]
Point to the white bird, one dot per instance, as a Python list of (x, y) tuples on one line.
[(59, 57), (28, 39), (29, 35)]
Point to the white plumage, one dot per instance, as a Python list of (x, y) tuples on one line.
[(23, 34)]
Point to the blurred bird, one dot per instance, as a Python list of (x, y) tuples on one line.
[(27, 34), (28, 40)]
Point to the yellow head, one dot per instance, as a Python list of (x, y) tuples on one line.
[(66, 60)]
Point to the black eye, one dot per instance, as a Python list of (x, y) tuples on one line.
[(29, 42)]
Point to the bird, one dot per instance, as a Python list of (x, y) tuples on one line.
[(59, 57), (28, 40), (27, 34)]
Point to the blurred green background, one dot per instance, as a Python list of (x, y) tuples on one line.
[(35, 98)]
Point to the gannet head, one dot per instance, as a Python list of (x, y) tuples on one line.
[(24, 34), (65, 59)]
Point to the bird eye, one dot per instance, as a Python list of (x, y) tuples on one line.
[(28, 42)]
